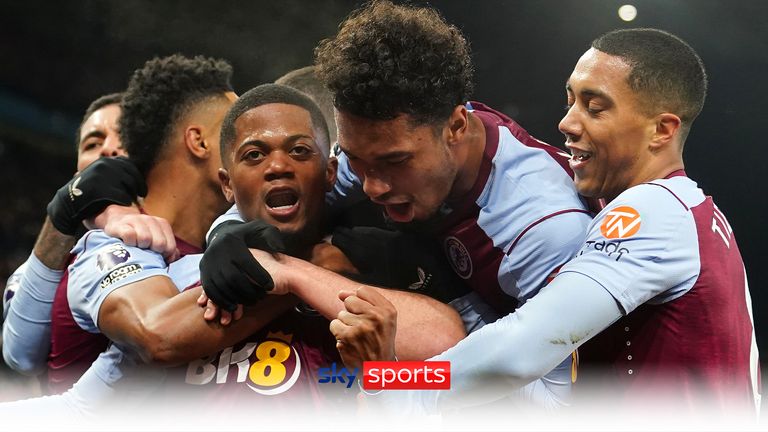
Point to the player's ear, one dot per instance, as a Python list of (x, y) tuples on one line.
[(195, 143), (667, 130), (226, 185), (330, 173), (458, 123)]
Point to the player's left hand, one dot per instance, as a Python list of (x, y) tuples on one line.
[(366, 330), (212, 312)]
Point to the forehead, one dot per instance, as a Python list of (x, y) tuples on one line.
[(598, 71), (105, 117), (276, 119), (362, 135)]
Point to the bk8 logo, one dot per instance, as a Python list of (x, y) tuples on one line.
[(269, 367)]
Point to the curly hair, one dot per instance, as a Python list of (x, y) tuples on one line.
[(106, 100), (161, 93), (391, 59), (665, 70)]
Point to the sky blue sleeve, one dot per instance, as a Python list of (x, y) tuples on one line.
[(104, 264), (501, 358), (656, 258), (11, 286), (113, 383), (233, 214), (540, 251), (27, 328)]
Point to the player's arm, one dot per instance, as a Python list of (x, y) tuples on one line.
[(502, 357), (425, 326), (26, 331), (167, 327)]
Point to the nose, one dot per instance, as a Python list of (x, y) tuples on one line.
[(569, 125), (278, 166), (112, 147), (374, 185)]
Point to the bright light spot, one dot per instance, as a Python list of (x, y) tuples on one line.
[(627, 12)]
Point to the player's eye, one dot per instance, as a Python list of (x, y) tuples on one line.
[(301, 152), (253, 156)]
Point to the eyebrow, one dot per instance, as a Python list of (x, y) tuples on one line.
[(290, 139), (589, 93), (384, 157), (94, 133)]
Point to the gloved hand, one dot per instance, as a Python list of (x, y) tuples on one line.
[(394, 259), (229, 273), (106, 181)]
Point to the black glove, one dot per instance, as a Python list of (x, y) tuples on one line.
[(229, 273), (106, 181), (405, 261)]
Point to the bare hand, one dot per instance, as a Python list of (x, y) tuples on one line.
[(212, 311), (139, 230), (366, 330), (275, 265)]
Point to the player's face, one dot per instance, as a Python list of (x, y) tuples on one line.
[(606, 131), (409, 170), (278, 172), (99, 137)]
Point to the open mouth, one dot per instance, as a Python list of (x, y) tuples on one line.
[(282, 202), (580, 156), (400, 212)]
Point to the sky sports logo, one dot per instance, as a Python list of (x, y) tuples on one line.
[(392, 375)]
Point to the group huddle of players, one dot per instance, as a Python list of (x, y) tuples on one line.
[(364, 209)]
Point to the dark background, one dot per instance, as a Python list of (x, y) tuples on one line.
[(56, 57)]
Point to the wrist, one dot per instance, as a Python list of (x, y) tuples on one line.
[(110, 214)]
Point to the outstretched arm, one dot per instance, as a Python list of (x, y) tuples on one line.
[(519, 348), (425, 327), (167, 327)]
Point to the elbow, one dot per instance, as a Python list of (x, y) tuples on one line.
[(23, 365), (154, 346), (440, 342)]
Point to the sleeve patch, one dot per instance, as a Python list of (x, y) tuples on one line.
[(120, 273), (111, 257)]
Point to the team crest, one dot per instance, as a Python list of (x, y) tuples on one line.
[(620, 223), (112, 256), (459, 257)]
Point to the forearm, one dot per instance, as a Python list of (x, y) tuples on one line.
[(425, 327), (52, 247), (26, 331), (172, 331), (504, 356), (187, 336)]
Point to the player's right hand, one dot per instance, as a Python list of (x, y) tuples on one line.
[(139, 230), (106, 181), (229, 273)]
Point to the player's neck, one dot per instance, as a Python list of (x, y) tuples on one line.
[(186, 199)]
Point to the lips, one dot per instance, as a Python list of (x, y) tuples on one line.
[(282, 203), (400, 212), (579, 157)]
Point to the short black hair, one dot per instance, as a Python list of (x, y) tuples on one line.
[(389, 60), (305, 80), (110, 99), (665, 70), (161, 93), (268, 94)]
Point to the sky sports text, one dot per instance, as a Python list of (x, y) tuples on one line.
[(392, 375)]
